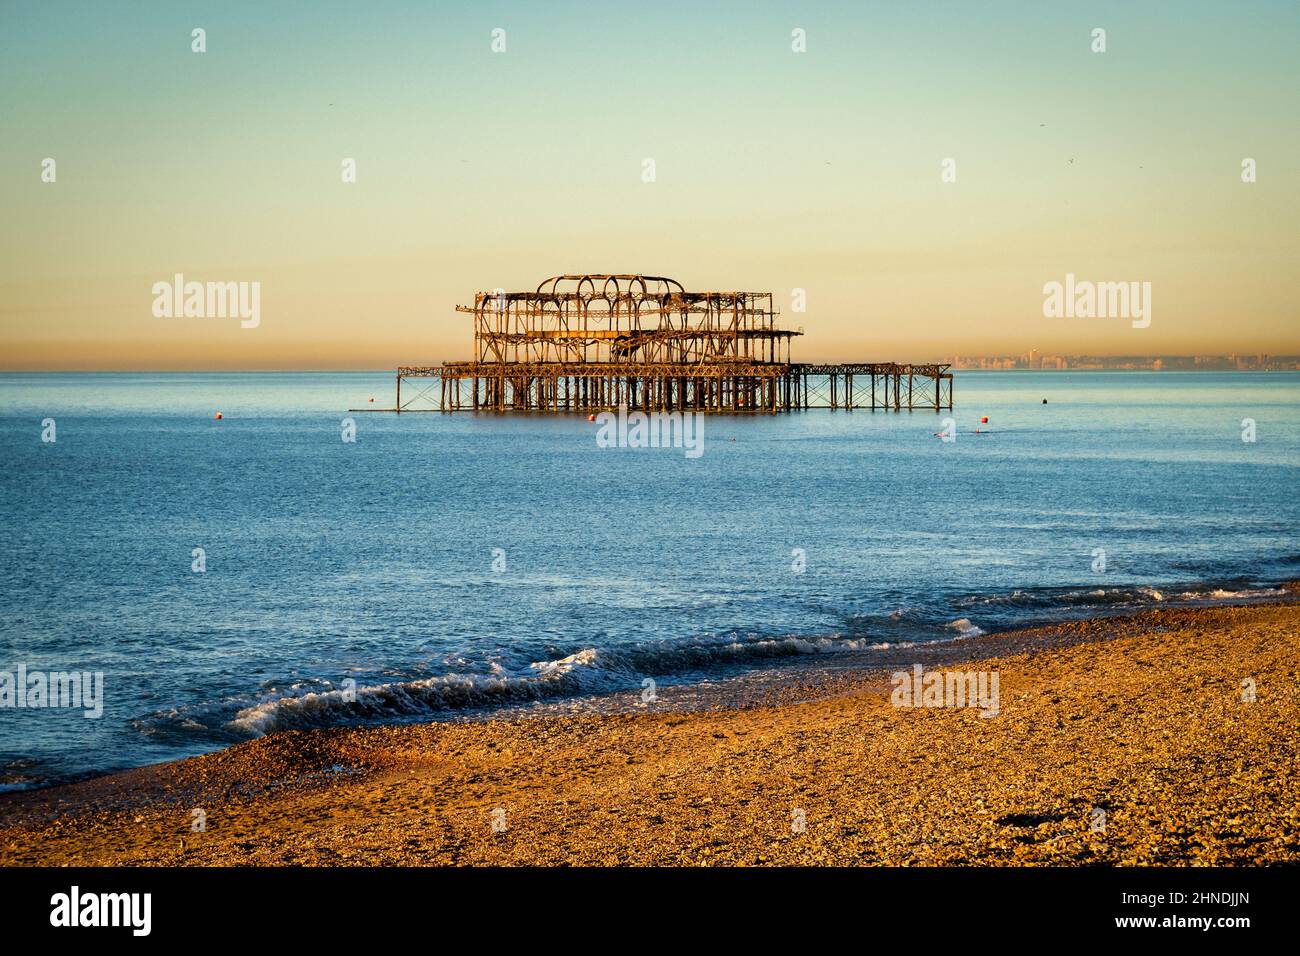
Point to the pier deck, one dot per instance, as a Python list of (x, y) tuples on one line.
[(719, 388)]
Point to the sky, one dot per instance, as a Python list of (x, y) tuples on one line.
[(774, 170)]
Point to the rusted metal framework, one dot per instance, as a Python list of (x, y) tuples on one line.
[(625, 321), (583, 343)]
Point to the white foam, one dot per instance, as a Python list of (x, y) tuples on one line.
[(585, 672)]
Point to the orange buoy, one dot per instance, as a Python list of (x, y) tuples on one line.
[(984, 420), (217, 416), (591, 418)]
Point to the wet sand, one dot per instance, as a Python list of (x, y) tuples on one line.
[(1117, 741)]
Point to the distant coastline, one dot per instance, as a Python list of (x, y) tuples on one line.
[(1034, 362)]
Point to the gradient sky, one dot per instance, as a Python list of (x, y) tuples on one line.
[(775, 170)]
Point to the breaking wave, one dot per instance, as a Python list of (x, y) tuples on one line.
[(1115, 596), (964, 627), (585, 673), (470, 685)]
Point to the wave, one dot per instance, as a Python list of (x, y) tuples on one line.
[(1122, 596), (1220, 594), (594, 671), (587, 672), (964, 627), (20, 774)]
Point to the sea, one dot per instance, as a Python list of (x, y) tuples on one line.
[(232, 577)]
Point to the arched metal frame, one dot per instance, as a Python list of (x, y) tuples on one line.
[(626, 319)]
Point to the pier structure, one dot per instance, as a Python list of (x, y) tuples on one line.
[(586, 343)]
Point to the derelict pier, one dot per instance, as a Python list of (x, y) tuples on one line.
[(585, 343)]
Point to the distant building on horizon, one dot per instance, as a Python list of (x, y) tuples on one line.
[(1260, 362)]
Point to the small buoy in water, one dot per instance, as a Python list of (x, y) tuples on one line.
[(591, 418), (1044, 401), (984, 420), (217, 416), (372, 398)]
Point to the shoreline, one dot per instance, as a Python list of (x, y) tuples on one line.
[(769, 677), (1141, 717)]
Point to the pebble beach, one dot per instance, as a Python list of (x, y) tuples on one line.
[(1163, 738)]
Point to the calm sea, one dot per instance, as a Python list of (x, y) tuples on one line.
[(444, 564)]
